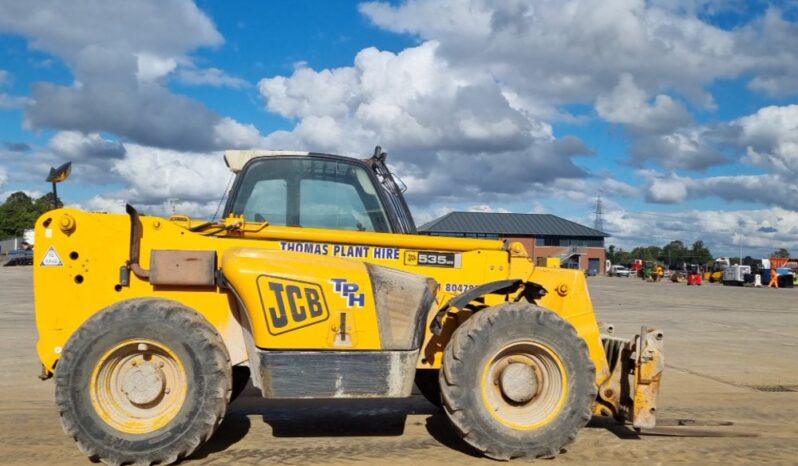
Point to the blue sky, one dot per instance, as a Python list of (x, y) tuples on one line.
[(681, 114)]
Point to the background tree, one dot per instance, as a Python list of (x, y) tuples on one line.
[(647, 253), (46, 202), (623, 257), (781, 252), (700, 253), (19, 213), (675, 253), (618, 255)]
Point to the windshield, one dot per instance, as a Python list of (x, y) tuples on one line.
[(310, 192)]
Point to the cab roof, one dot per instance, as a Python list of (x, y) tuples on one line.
[(236, 159)]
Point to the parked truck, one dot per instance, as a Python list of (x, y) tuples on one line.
[(735, 274)]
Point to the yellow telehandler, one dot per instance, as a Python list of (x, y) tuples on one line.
[(316, 285)]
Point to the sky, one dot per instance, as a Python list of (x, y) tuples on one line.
[(682, 115)]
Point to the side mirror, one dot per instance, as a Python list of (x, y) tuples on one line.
[(58, 175)]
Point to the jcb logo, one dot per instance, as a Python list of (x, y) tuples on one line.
[(291, 304)]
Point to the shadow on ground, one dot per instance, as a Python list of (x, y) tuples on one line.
[(622, 431), (350, 418), (328, 419)]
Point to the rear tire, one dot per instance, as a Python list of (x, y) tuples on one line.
[(144, 381), (505, 416)]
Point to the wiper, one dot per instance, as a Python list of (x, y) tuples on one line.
[(388, 180)]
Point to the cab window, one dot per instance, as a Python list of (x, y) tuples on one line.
[(267, 202), (310, 192)]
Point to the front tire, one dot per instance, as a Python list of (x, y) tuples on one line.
[(145, 381), (517, 381)]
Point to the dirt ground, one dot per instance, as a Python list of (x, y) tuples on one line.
[(724, 346)]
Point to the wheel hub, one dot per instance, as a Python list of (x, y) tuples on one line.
[(143, 384), (518, 382), (524, 384), (138, 386)]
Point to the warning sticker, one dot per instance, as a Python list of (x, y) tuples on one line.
[(51, 259)]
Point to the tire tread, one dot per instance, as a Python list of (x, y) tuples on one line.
[(213, 405), (456, 356)]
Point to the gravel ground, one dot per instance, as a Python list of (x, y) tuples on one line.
[(723, 346)]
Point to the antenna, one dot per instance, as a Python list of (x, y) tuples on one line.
[(598, 222), (224, 194), (173, 203)]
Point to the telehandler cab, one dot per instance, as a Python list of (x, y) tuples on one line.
[(316, 284)]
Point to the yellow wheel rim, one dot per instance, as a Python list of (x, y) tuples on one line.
[(138, 386), (524, 385)]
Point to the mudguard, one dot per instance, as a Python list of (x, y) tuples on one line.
[(530, 291)]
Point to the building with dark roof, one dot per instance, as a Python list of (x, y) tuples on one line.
[(543, 235)]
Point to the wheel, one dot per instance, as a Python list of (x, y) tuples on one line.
[(517, 381), (428, 385), (144, 381)]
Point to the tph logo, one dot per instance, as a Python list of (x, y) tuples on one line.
[(349, 291)]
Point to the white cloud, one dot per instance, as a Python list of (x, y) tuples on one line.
[(230, 134), (92, 156), (767, 43), (628, 104), (102, 203), (770, 138), (574, 50), (454, 133), (412, 100), (668, 190), (617, 188), (767, 138), (155, 175), (524, 44), (115, 203), (688, 148), (12, 101), (307, 92), (3, 176), (757, 231), (634, 60), (467, 114), (73, 145), (768, 189), (427, 215), (486, 208), (151, 67), (8, 101), (210, 77), (74, 30), (120, 54)]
